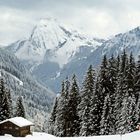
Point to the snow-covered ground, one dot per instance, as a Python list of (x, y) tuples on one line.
[(44, 136)]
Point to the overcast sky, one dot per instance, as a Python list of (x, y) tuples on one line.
[(101, 18)]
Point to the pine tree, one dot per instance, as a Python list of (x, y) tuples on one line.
[(86, 103), (120, 89), (62, 112), (124, 62), (113, 68), (104, 85), (108, 103), (73, 124), (137, 90), (106, 119), (67, 86), (9, 102), (103, 81), (6, 114), (4, 102), (51, 123), (130, 82), (125, 124), (20, 111), (128, 101), (95, 114)]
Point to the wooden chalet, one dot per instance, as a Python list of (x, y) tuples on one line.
[(18, 127)]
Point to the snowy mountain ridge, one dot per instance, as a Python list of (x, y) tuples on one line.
[(129, 41), (54, 51), (52, 40)]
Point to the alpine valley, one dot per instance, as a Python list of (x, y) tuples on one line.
[(53, 52)]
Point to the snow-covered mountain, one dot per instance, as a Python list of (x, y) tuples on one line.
[(130, 41), (51, 47), (53, 51), (21, 83), (53, 41)]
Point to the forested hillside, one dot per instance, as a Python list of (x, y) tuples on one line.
[(37, 98), (108, 102)]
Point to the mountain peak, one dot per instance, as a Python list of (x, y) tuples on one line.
[(135, 31), (52, 41), (46, 21)]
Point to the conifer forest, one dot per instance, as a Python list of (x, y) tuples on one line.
[(7, 109), (107, 103)]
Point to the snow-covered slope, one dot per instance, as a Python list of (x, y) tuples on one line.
[(22, 83), (129, 41), (44, 136), (53, 51)]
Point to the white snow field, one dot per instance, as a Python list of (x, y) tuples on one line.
[(44, 136)]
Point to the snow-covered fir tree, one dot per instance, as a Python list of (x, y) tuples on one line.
[(62, 112), (106, 122), (52, 119), (5, 111), (95, 111), (108, 113), (108, 103), (10, 102), (20, 110), (85, 105), (73, 122), (137, 90), (120, 89)]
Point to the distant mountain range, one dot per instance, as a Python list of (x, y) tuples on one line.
[(53, 51)]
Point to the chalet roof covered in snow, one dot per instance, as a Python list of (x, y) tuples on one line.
[(19, 121)]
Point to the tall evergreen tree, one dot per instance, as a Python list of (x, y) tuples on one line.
[(108, 103), (103, 81), (108, 117), (125, 124), (73, 124), (137, 90), (9, 102), (130, 82), (104, 85), (4, 102), (120, 89), (6, 114), (51, 127), (67, 86), (86, 103), (20, 111), (62, 111), (95, 114), (127, 100)]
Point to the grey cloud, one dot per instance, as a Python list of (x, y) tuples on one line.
[(102, 17)]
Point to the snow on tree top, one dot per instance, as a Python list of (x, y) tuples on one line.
[(19, 121)]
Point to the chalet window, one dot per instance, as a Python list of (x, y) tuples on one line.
[(16, 128), (5, 127), (10, 127)]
